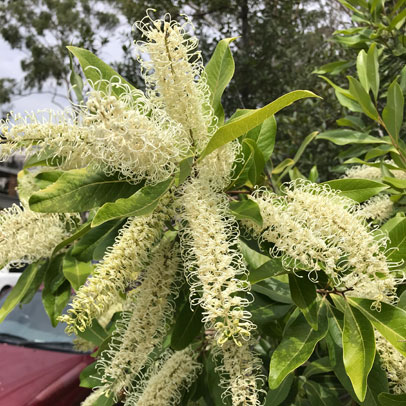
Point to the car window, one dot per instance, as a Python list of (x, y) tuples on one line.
[(30, 322)]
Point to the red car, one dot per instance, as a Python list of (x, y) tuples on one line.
[(38, 365)]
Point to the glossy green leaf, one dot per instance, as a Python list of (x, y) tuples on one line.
[(264, 310), (372, 70), (54, 276), (362, 65), (394, 182), (253, 258), (258, 164), (397, 242), (320, 395), (303, 292), (98, 72), (141, 203), (219, 71), (264, 137), (363, 98), (273, 267), (333, 68), (388, 399), (295, 348), (393, 112), (319, 366), (84, 248), (357, 189), (390, 321), (19, 290), (185, 169), (187, 326), (76, 81), (241, 125), (35, 284), (81, 231), (274, 289), (55, 302), (358, 349), (246, 210), (75, 271), (89, 376), (242, 168), (95, 333), (349, 137), (398, 21), (276, 396), (286, 163), (80, 190), (314, 174), (107, 241)]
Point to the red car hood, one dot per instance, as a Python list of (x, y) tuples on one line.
[(33, 377)]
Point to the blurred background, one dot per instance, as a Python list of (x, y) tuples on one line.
[(281, 43)]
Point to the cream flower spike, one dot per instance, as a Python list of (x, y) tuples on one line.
[(27, 236), (144, 322), (240, 374), (379, 208), (174, 75), (212, 262), (120, 267), (175, 372), (128, 135), (372, 173), (314, 227)]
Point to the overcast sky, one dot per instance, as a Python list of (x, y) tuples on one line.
[(10, 68)]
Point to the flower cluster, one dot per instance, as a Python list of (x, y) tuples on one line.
[(372, 172), (27, 236), (143, 322), (315, 228), (173, 373), (118, 270), (379, 208)]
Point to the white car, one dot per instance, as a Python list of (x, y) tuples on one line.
[(9, 277)]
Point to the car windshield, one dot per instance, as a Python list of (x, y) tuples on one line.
[(29, 324)]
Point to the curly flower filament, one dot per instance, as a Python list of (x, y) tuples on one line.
[(143, 324), (174, 75), (315, 228), (27, 236), (119, 268), (175, 372), (209, 246)]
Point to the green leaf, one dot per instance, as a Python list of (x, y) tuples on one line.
[(94, 333), (296, 347), (246, 209), (274, 289), (303, 292), (55, 302), (372, 69), (333, 68), (397, 242), (54, 276), (75, 271), (357, 189), (241, 125), (254, 258), (390, 321), (258, 164), (394, 182), (187, 326), (393, 112), (345, 137), (264, 137), (320, 366), (219, 71), (98, 72), (20, 289), (84, 248), (89, 376), (242, 168), (388, 399), (320, 395), (107, 241), (286, 163), (76, 81), (358, 349), (141, 203), (264, 311), (273, 267), (35, 284), (363, 98), (80, 190), (362, 65), (276, 396), (398, 21), (185, 169), (82, 230)]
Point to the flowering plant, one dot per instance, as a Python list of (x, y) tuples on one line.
[(213, 281)]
